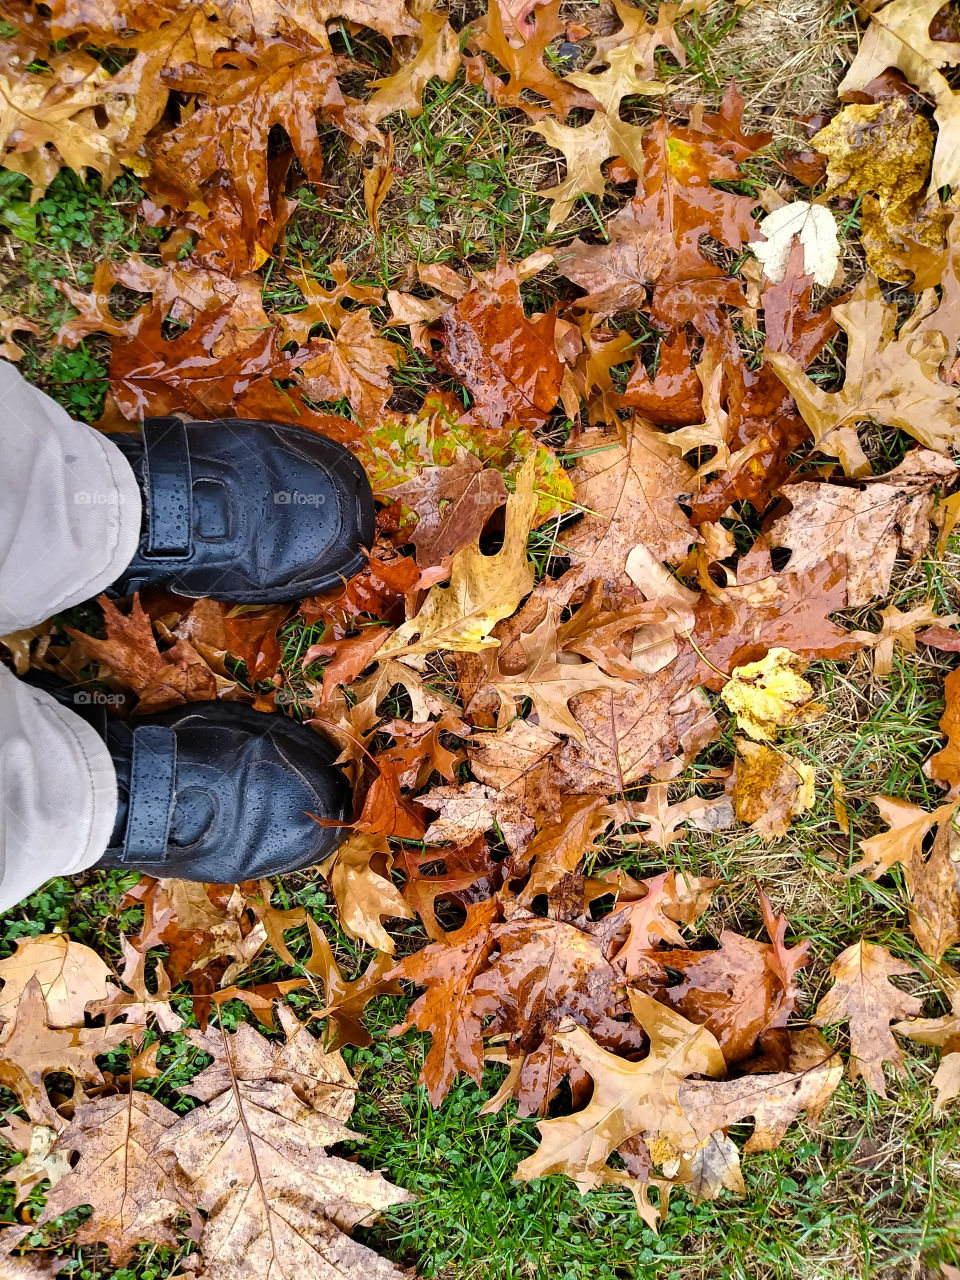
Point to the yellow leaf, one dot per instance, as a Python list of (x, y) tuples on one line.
[(882, 151), (770, 694)]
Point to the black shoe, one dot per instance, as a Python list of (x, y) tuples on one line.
[(215, 791), (246, 512)]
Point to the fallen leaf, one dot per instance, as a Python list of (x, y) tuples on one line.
[(407, 457), (364, 894), (586, 149), (869, 524), (325, 306), (770, 695), (226, 135), (882, 151), (628, 494), (892, 379), (447, 969), (737, 625), (899, 630), (774, 1100), (346, 1001), (438, 56), (902, 843), (547, 681), (944, 1033), (70, 975), (521, 54), (482, 590), (742, 991), (245, 632), (655, 240), (771, 788), (355, 363), (9, 325), (934, 887), (663, 820), (547, 973), (254, 1160), (944, 765), (864, 997), (629, 1098), (131, 654), (30, 1050), (42, 1160), (377, 181), (814, 227), (508, 363), (120, 1174)]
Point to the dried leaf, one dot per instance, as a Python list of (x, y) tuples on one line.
[(629, 1098), (742, 991), (120, 1173), (903, 842), (934, 886), (943, 1032), (893, 380), (864, 997), (521, 55), (70, 976), (655, 240), (628, 493), (438, 56), (775, 1100), (944, 765), (30, 1050), (254, 1160)]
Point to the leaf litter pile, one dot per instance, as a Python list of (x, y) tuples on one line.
[(611, 540)]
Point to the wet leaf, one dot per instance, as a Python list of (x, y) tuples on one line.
[(131, 653), (771, 788), (882, 150), (869, 523), (520, 52), (508, 363), (482, 590)]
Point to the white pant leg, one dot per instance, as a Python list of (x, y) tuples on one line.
[(58, 790), (70, 507)]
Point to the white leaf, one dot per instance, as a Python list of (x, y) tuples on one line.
[(817, 231)]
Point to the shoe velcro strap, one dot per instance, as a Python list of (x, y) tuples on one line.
[(168, 482), (153, 771)]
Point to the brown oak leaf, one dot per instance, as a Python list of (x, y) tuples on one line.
[(864, 997)]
